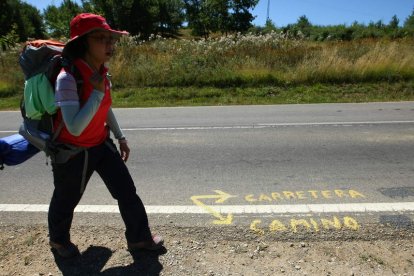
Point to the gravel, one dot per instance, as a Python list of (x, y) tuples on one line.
[(210, 251)]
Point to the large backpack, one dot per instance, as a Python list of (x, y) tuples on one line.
[(41, 62)]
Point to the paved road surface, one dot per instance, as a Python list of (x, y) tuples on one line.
[(308, 156)]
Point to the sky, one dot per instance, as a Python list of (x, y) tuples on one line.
[(319, 12)]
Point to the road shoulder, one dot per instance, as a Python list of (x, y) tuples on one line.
[(209, 251)]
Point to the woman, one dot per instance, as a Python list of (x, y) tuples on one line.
[(86, 117)]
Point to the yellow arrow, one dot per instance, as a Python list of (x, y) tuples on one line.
[(221, 197)]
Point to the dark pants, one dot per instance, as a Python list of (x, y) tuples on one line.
[(106, 161)]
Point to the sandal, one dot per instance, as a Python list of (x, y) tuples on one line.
[(156, 243)]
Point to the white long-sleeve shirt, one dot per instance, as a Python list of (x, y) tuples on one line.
[(76, 119)]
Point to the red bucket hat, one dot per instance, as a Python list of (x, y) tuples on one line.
[(86, 22)]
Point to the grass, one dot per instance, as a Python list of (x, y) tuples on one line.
[(316, 93), (260, 60), (370, 257), (29, 241), (10, 103), (294, 94), (246, 69)]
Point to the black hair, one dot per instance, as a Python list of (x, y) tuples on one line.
[(75, 49)]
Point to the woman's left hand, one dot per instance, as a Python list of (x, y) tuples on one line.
[(124, 150)]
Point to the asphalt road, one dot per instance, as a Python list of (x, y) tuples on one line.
[(283, 154)]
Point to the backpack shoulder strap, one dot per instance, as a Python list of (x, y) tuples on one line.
[(78, 78), (74, 71)]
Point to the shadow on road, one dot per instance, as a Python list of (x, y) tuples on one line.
[(93, 260), (397, 221), (397, 192)]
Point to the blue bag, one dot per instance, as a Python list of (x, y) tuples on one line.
[(15, 149)]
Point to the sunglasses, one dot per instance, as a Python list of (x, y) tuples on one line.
[(103, 39)]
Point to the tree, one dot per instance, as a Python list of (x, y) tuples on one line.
[(394, 22), (105, 8), (303, 23), (269, 26), (57, 19), (409, 22), (135, 16), (9, 40), (217, 12), (206, 16), (25, 17), (169, 16), (196, 17), (241, 17), (379, 24), (140, 17)]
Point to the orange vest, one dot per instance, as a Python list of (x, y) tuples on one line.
[(96, 132)]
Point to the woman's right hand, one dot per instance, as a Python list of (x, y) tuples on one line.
[(98, 82)]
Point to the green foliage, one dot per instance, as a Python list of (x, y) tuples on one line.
[(7, 90), (267, 28), (207, 16), (292, 94), (409, 24), (11, 78), (57, 19), (9, 40), (303, 25), (25, 17), (304, 29), (135, 16), (246, 69), (169, 16), (254, 60), (141, 17), (144, 18), (394, 22), (196, 17)]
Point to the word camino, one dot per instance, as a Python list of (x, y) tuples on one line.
[(308, 224)]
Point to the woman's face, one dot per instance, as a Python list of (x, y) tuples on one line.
[(101, 45)]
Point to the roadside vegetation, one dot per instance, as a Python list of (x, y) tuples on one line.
[(246, 69), (257, 60), (208, 63)]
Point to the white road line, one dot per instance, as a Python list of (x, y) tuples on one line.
[(339, 123), (233, 209), (271, 125), (257, 126)]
